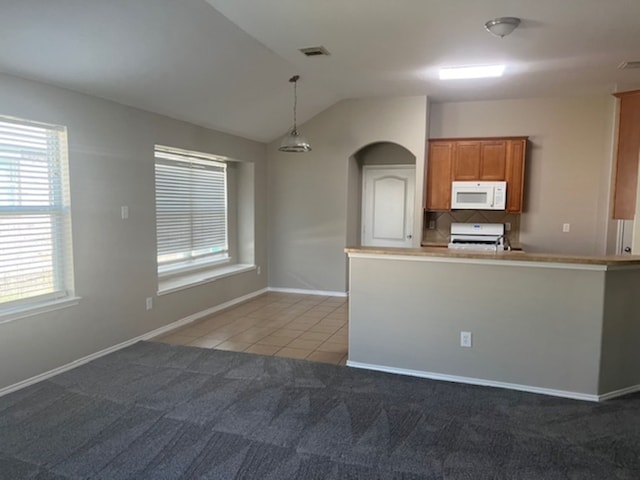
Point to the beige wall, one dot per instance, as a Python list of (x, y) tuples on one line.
[(621, 332), (384, 154), (311, 195), (111, 164), (569, 163), (526, 330)]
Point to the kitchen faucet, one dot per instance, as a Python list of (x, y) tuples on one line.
[(505, 239)]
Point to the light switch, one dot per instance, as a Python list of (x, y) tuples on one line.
[(566, 227), (124, 212)]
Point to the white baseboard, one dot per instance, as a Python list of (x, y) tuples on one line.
[(154, 333), (303, 291), (198, 315), (619, 393), (482, 382)]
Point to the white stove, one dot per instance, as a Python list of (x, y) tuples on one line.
[(477, 236)]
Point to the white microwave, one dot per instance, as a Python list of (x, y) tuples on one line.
[(479, 195)]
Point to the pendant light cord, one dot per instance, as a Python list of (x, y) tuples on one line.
[(294, 80)]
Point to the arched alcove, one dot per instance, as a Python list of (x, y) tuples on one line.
[(379, 153)]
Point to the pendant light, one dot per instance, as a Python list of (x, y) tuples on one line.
[(293, 141)]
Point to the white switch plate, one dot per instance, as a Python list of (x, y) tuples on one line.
[(149, 303), (566, 227), (465, 339), (259, 270), (507, 227), (124, 212), (432, 224)]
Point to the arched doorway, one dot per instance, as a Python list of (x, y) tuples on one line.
[(381, 195)]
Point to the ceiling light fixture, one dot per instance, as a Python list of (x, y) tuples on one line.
[(502, 26), (293, 141), (478, 71)]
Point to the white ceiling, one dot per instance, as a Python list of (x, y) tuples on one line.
[(225, 64)]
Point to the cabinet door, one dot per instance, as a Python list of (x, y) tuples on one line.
[(467, 160), (516, 150), (439, 175), (493, 160), (626, 177)]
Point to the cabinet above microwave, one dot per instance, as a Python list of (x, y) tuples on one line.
[(475, 159)]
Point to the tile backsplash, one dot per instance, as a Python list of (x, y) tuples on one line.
[(442, 223)]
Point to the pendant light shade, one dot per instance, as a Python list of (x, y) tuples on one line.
[(293, 141)]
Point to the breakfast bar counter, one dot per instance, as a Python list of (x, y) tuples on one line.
[(506, 255), (561, 325)]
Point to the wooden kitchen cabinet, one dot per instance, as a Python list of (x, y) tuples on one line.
[(493, 160), (439, 175), (479, 160), (466, 163), (626, 178), (514, 173), (475, 159)]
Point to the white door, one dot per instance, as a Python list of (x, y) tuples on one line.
[(387, 205)]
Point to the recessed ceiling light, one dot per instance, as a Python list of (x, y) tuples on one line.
[(315, 51), (629, 65), (478, 71)]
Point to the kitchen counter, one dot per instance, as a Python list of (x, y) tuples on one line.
[(561, 325), (505, 255)]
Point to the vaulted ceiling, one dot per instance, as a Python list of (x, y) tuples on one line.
[(225, 64)]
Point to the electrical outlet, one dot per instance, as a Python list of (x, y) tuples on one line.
[(149, 303), (507, 227), (465, 339), (432, 224), (124, 212), (566, 227)]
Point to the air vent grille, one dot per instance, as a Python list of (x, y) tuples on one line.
[(315, 51), (629, 65)]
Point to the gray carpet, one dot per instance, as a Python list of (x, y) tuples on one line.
[(155, 411)]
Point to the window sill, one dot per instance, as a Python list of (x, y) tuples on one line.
[(37, 308), (182, 282)]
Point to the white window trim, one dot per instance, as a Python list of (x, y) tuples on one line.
[(24, 311), (205, 264), (181, 274), (62, 298), (202, 277)]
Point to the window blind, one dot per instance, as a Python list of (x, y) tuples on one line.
[(35, 241), (191, 208)]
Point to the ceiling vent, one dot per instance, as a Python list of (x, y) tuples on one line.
[(315, 51), (629, 65)]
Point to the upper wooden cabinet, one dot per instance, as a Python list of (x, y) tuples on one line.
[(439, 176), (480, 160), (626, 180), (514, 173), (486, 159)]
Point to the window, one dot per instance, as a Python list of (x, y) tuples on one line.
[(191, 210), (35, 219)]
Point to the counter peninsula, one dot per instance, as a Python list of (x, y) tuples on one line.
[(555, 324)]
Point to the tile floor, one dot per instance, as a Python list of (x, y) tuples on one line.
[(289, 325)]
